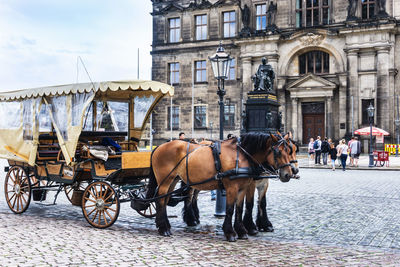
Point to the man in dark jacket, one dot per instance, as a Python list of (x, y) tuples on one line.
[(325, 151)]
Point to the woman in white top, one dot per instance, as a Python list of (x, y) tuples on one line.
[(343, 152), (311, 150)]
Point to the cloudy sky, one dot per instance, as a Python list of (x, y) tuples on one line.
[(40, 41)]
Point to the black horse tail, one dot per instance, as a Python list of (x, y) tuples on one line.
[(152, 185)]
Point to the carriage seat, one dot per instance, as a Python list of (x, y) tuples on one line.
[(47, 152)]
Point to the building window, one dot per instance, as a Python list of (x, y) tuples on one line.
[(174, 30), (261, 17), (201, 27), (229, 24), (367, 9), (201, 71), (200, 116), (232, 72), (312, 12), (229, 116), (173, 69), (364, 105), (316, 62), (175, 118)]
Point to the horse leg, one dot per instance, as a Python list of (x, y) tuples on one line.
[(195, 207), (263, 223), (231, 196), (162, 222), (238, 225), (188, 211), (248, 215)]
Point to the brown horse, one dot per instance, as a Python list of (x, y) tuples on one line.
[(195, 166), (262, 222)]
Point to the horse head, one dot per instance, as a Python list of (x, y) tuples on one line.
[(294, 148), (281, 156)]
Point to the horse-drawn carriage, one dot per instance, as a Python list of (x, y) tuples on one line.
[(81, 139)]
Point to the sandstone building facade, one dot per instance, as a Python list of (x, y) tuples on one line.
[(332, 58)]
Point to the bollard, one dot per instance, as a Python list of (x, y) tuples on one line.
[(220, 203)]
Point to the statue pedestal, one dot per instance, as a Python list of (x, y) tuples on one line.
[(262, 112)]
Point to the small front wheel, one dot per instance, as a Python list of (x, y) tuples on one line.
[(17, 189), (100, 204)]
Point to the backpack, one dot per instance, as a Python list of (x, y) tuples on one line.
[(315, 146)]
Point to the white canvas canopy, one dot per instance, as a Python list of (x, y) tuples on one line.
[(25, 112)]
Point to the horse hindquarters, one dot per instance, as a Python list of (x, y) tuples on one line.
[(248, 215)]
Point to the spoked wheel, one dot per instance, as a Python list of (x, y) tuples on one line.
[(150, 212), (69, 189), (17, 189), (100, 205)]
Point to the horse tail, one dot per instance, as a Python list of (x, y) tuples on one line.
[(152, 185)]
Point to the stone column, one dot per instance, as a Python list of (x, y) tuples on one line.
[(329, 116), (382, 108), (294, 125), (342, 106), (246, 74), (299, 135), (352, 56)]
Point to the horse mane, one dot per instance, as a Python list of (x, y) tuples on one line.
[(254, 142)]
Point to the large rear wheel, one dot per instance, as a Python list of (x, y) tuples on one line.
[(17, 189), (100, 204)]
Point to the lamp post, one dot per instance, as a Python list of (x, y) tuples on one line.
[(220, 63), (370, 111), (397, 123)]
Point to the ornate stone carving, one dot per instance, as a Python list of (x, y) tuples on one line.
[(311, 39), (351, 10)]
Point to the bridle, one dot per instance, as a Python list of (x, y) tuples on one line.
[(265, 166)]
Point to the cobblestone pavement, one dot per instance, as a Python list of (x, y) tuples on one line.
[(324, 219)]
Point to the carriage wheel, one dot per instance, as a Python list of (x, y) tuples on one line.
[(69, 189), (150, 212), (100, 204), (17, 189)]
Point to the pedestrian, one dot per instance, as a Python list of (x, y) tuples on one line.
[(182, 136), (349, 145), (311, 151), (355, 151), (329, 154), (317, 148), (325, 151), (342, 153), (333, 154)]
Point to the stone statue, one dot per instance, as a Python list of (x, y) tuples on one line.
[(264, 78), (351, 10), (271, 13), (382, 8), (245, 16)]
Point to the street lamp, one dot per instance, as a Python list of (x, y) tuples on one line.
[(397, 123), (371, 111), (220, 63)]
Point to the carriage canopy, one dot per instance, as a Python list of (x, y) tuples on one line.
[(66, 110)]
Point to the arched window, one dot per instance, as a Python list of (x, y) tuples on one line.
[(316, 62), (312, 12)]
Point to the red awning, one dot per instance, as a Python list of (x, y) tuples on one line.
[(367, 130)]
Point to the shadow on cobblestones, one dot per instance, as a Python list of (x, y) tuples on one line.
[(326, 218)]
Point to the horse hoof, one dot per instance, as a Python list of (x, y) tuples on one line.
[(244, 236), (252, 232), (266, 229), (231, 238), (165, 233)]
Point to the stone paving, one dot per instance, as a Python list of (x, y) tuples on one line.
[(324, 219)]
